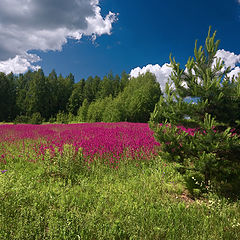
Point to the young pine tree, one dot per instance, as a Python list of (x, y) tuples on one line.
[(209, 152)]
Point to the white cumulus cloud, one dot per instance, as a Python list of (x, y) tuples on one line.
[(163, 72), (20, 64), (46, 25), (230, 60), (235, 72)]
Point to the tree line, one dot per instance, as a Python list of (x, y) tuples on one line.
[(33, 98)]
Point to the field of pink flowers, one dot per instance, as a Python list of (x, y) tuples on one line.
[(54, 184), (111, 142)]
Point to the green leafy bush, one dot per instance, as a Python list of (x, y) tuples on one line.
[(36, 118), (21, 119), (52, 119), (82, 111), (62, 117)]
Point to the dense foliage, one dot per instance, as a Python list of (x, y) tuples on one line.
[(33, 97), (210, 156)]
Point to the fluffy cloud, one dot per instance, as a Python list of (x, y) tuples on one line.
[(163, 73), (234, 73), (20, 64), (230, 60), (46, 25)]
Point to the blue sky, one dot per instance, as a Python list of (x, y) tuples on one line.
[(146, 32)]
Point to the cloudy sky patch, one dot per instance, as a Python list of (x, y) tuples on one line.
[(163, 72), (53, 31), (46, 25)]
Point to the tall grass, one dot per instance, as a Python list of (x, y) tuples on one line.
[(139, 200), (62, 197)]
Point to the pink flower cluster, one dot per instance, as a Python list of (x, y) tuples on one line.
[(189, 131), (111, 142)]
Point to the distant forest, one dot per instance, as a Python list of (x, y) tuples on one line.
[(34, 98)]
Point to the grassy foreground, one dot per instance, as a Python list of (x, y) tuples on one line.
[(139, 200)]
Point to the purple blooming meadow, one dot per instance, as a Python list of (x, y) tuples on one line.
[(110, 142)]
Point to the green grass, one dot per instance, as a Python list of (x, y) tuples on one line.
[(138, 201)]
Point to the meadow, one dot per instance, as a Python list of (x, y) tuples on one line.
[(100, 181)]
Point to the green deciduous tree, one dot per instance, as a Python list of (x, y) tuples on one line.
[(97, 108), (115, 110), (82, 111), (76, 98), (140, 96)]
